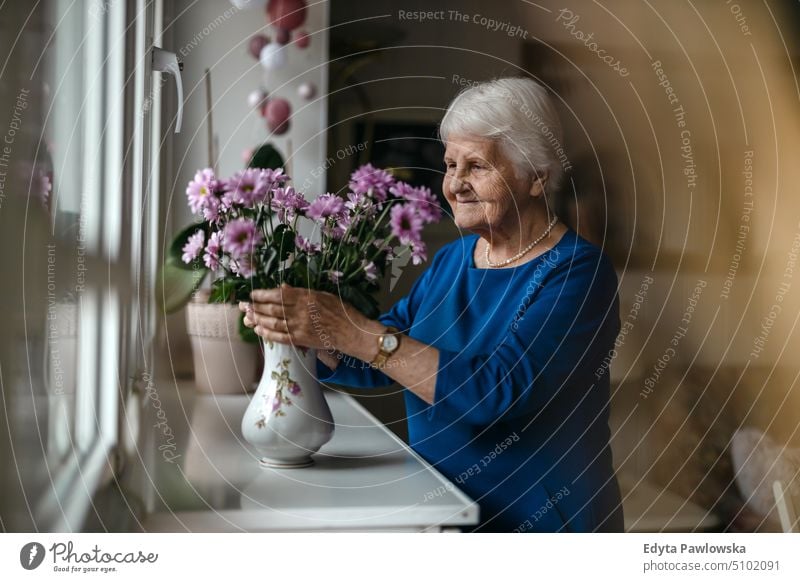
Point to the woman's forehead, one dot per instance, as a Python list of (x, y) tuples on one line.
[(479, 147)]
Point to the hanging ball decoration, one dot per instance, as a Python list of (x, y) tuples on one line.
[(286, 14), (307, 90), (302, 39), (257, 42), (278, 112), (272, 56), (282, 36), (256, 98)]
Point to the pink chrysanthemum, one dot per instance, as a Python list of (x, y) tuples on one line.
[(324, 206), (372, 182), (212, 254), (288, 202), (243, 267), (306, 245), (370, 270), (241, 237), (418, 254), (246, 188), (420, 198), (406, 224), (193, 246), (201, 189), (335, 276)]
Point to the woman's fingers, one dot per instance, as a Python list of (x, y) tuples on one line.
[(283, 295), (271, 309), (274, 336)]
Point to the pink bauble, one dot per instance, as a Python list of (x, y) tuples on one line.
[(257, 42), (302, 39), (277, 113), (307, 90), (247, 153), (286, 14), (282, 36)]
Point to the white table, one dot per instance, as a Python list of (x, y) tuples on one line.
[(364, 479)]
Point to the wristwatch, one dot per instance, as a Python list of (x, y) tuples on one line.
[(388, 343)]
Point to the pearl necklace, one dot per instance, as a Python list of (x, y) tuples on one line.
[(524, 251)]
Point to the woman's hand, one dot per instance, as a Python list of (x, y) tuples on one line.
[(312, 319)]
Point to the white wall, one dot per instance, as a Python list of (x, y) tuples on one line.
[(214, 34)]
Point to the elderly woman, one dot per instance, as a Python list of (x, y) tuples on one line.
[(500, 343)]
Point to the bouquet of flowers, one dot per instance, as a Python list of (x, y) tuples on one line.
[(249, 236)]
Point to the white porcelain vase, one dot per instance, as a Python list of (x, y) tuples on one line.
[(288, 418)]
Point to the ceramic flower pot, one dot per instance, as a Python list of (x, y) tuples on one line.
[(288, 418), (223, 362)]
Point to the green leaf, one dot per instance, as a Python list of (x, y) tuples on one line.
[(175, 285), (266, 157), (364, 302), (283, 242), (270, 262), (222, 290)]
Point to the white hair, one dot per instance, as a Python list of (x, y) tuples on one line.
[(518, 113)]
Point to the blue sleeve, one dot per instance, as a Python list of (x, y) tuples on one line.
[(359, 374), (559, 340)]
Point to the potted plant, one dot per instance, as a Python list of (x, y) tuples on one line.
[(250, 238), (225, 352)]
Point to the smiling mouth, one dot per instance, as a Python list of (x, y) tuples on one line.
[(474, 201)]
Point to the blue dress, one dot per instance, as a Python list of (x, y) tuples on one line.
[(519, 420)]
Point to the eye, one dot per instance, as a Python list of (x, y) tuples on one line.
[(450, 165)]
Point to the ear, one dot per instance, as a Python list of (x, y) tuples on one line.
[(538, 184)]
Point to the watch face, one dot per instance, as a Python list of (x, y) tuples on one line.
[(390, 343)]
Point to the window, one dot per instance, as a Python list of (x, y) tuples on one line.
[(80, 114)]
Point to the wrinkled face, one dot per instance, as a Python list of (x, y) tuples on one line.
[(482, 187)]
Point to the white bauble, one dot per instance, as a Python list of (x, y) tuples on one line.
[(307, 90), (256, 98), (273, 56)]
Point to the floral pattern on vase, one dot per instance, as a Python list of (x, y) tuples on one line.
[(288, 418)]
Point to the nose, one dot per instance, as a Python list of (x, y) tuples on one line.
[(458, 182)]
